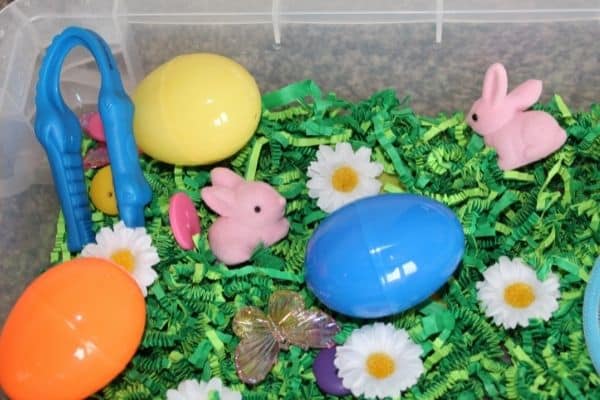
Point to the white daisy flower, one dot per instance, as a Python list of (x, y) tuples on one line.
[(131, 248), (192, 390), (511, 293), (379, 360), (341, 176)]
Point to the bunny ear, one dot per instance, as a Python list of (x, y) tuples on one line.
[(225, 177), (495, 84), (219, 199), (526, 94)]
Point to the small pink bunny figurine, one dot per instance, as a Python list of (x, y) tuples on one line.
[(250, 213), (520, 137)]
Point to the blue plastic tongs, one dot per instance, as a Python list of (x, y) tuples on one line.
[(58, 130)]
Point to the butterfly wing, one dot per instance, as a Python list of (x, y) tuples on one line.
[(305, 328), (255, 357), (251, 321), (309, 328), (282, 303), (96, 158), (257, 351)]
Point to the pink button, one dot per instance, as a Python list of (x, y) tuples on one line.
[(184, 220), (94, 127), (84, 119)]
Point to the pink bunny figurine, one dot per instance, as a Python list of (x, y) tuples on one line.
[(250, 213), (520, 137)]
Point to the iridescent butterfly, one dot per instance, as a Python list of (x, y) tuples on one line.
[(96, 157), (288, 323)]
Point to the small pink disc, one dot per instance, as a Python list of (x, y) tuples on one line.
[(94, 128), (84, 120), (184, 220)]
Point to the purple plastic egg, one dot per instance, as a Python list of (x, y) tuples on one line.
[(326, 373)]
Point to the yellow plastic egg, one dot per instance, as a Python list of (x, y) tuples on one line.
[(102, 192), (196, 109)]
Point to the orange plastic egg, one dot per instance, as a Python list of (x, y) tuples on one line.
[(71, 332)]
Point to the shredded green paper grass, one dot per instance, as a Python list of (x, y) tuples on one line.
[(548, 214)]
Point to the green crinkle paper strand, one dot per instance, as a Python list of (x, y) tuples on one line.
[(548, 214)]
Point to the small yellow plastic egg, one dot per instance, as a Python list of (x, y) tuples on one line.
[(102, 192), (196, 109)]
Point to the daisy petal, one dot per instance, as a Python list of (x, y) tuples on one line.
[(192, 390), (374, 340), (361, 184), (136, 242), (512, 294), (173, 394), (364, 153)]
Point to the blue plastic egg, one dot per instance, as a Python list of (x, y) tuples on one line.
[(384, 254)]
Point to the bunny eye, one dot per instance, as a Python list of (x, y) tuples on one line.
[(257, 209), (475, 117)]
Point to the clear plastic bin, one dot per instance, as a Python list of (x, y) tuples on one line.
[(433, 51)]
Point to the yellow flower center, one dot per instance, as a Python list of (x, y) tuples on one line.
[(124, 258), (380, 365), (344, 179), (519, 295)]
